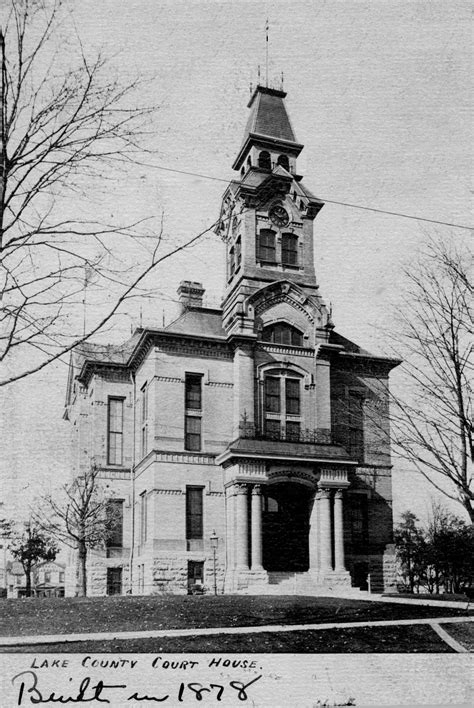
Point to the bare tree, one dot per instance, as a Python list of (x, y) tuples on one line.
[(69, 130), (432, 424), (82, 517)]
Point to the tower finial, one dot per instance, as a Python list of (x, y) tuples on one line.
[(267, 27)]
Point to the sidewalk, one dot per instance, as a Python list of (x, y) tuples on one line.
[(374, 597), (434, 622)]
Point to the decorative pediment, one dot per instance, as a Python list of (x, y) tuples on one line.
[(283, 291)]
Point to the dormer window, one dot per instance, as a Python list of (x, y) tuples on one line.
[(284, 162), (264, 160), (282, 333)]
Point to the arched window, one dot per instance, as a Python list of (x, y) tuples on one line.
[(264, 160), (266, 246), (284, 162), (249, 161), (282, 333), (289, 249), (242, 171), (282, 405)]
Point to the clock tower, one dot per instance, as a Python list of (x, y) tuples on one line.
[(267, 219)]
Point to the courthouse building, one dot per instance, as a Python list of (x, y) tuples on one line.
[(256, 427)]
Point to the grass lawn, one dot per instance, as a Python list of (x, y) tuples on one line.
[(451, 597), (462, 633), (411, 639), (124, 613)]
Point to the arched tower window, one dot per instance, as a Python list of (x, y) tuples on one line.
[(264, 160), (282, 333), (289, 249), (284, 162), (249, 161), (282, 405), (266, 246)]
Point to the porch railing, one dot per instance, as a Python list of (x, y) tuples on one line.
[(253, 431)]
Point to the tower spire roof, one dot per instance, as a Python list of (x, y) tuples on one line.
[(268, 122)]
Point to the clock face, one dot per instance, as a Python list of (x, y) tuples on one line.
[(279, 215)]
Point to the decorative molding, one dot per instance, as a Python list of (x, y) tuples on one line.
[(221, 384), (184, 345), (169, 492), (185, 457), (292, 476), (285, 349), (332, 478), (169, 379), (251, 467), (107, 473)]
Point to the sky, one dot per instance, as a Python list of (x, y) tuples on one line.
[(379, 94)]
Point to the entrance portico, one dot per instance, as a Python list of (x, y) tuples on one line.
[(284, 520)]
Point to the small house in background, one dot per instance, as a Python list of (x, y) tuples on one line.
[(245, 448), (47, 579)]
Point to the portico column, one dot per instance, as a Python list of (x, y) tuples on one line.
[(325, 560), (230, 527), (241, 527), (257, 527), (338, 532), (314, 533)]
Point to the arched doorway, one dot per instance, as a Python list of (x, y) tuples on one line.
[(285, 527)]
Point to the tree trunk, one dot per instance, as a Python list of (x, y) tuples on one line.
[(27, 570), (82, 568)]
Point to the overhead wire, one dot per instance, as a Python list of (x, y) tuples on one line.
[(328, 201)]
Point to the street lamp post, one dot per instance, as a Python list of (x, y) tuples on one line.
[(214, 539)]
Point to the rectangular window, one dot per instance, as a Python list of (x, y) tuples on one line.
[(289, 249), (144, 419), (143, 517), (192, 432), (144, 402), (114, 522), (238, 253), (115, 431), (272, 394), (193, 385), (273, 429), (359, 522), (232, 261), (194, 525), (292, 390), (356, 424), (47, 576), (266, 246), (293, 430), (114, 581), (61, 576)]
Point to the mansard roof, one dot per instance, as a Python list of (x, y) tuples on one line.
[(268, 116), (268, 123), (198, 320)]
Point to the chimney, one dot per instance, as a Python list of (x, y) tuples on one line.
[(190, 294)]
